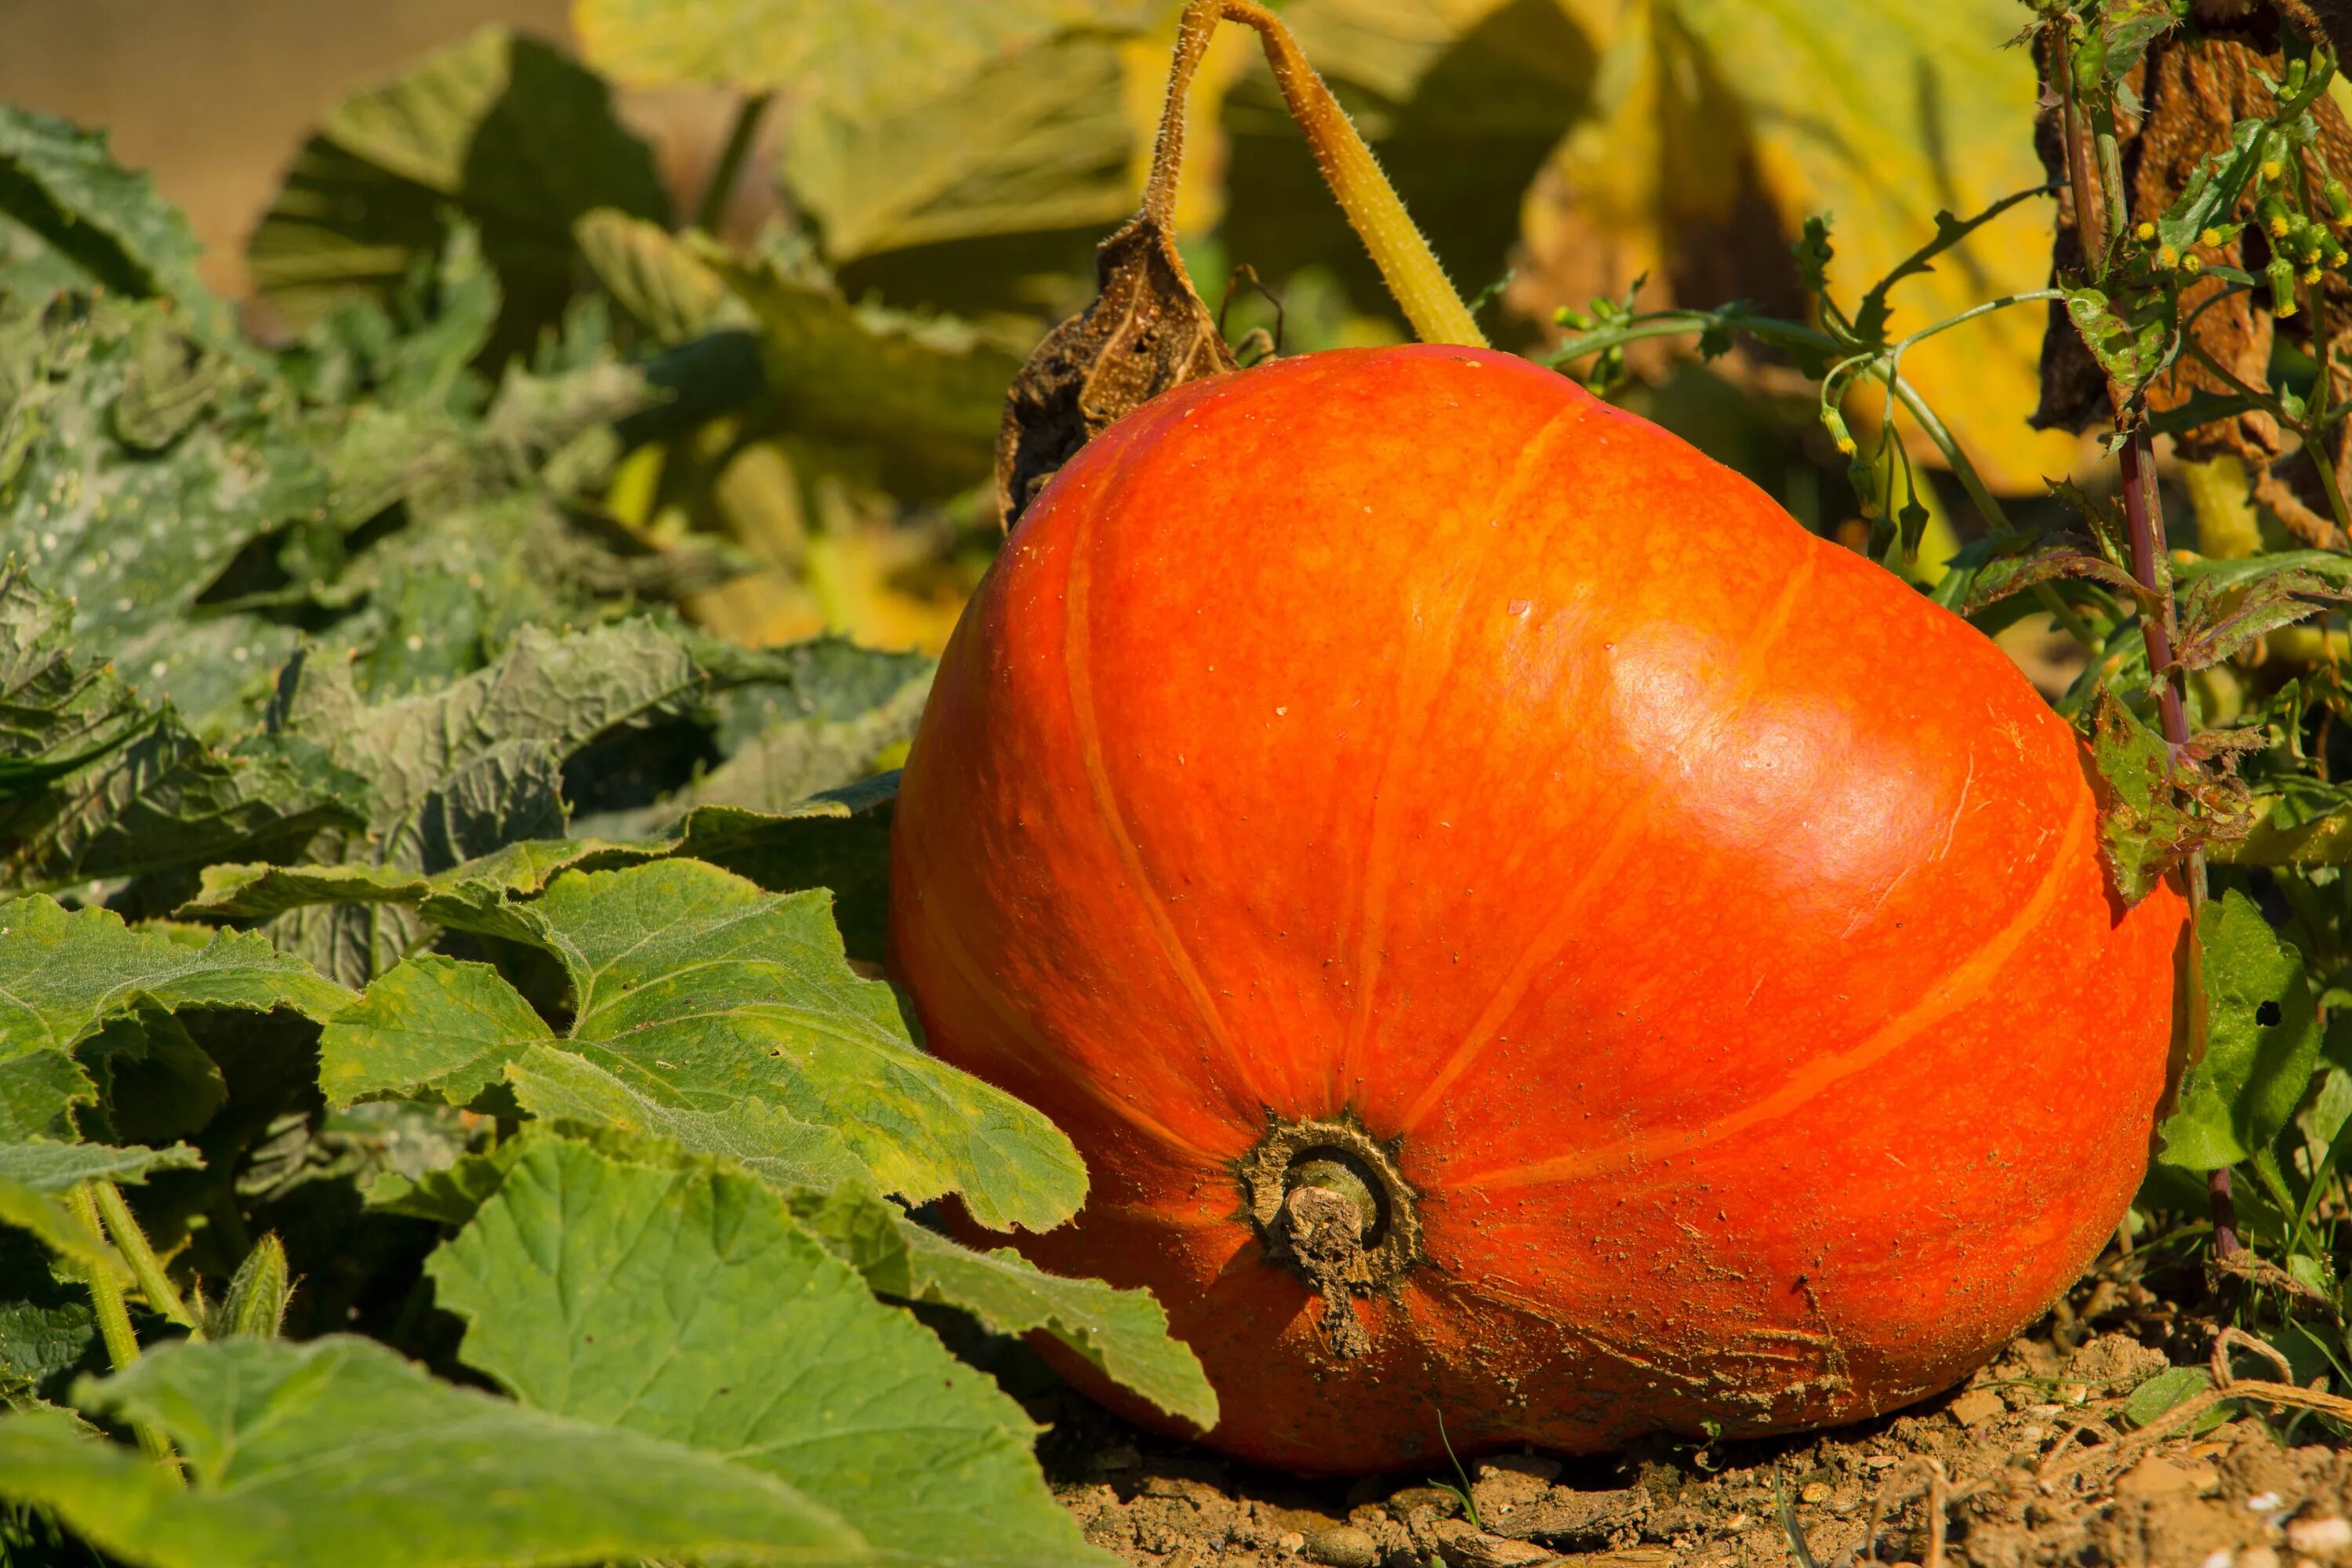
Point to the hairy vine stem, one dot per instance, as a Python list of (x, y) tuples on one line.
[(113, 1315), (1407, 265), (145, 1266)]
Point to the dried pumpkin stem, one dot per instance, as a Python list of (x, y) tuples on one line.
[(1375, 210)]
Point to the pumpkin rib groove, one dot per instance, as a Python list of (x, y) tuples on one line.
[(1077, 627), (1967, 982), (1426, 681), (1036, 1053), (1557, 931)]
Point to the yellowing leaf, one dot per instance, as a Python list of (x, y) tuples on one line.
[(915, 122), (1877, 115)]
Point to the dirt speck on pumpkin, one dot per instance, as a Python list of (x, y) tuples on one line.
[(2030, 1463)]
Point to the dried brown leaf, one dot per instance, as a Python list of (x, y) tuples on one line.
[(1146, 332)]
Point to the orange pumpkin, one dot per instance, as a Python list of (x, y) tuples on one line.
[(1518, 928)]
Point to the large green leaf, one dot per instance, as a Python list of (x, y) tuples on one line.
[(792, 760), (433, 1028), (688, 1305), (700, 993), (72, 217), (857, 59), (2261, 1040), (768, 1141), (838, 841), (1124, 1333), (51, 1167), (504, 131), (46, 1326), (135, 532), (1037, 140), (63, 976), (921, 398), (57, 713), (95, 783), (457, 772), (338, 1451)]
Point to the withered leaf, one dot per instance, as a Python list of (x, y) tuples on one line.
[(2199, 90), (2218, 619), (1146, 332), (2063, 557), (2158, 807)]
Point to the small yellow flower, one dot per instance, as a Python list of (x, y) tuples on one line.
[(2168, 259), (2192, 265), (2146, 231), (2311, 275), (2273, 169), (2210, 236)]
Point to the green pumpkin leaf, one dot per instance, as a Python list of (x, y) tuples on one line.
[(507, 131), (919, 397), (338, 1450), (472, 767), (694, 984), (50, 1167), (838, 841), (1124, 1333), (653, 274), (431, 1028), (685, 1304), (1036, 141), (64, 975), (59, 1229), (134, 535), (71, 217), (730, 1008), (46, 1327), (763, 1139), (860, 60), (2261, 1040), (58, 714)]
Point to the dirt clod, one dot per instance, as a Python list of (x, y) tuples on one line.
[(1976, 1406), (1462, 1545), (1510, 1483), (1344, 1546)]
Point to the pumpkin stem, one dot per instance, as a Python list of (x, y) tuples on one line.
[(1331, 1206), (1373, 208)]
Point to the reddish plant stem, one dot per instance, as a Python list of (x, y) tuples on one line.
[(2144, 525), (2078, 170)]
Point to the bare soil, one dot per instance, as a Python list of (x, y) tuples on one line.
[(2031, 1462)]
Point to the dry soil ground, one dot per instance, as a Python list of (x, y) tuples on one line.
[(2030, 1463)]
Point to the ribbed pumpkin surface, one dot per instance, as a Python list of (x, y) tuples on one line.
[(1711, 928)]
